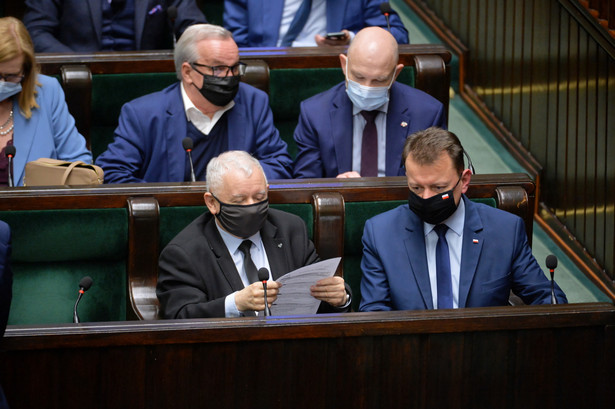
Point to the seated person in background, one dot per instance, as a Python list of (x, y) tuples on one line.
[(304, 23), (33, 113), (203, 272), (64, 26), (358, 127), (6, 283), (443, 250), (209, 105)]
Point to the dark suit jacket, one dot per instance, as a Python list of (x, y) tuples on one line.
[(495, 258), (76, 25), (148, 139), (6, 283), (256, 23), (324, 131), (196, 271)]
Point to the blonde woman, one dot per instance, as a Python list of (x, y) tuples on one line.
[(33, 113)]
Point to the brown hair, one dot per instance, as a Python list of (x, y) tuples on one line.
[(426, 146), (15, 42)]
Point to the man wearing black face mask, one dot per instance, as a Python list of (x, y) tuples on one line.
[(210, 268), (441, 250), (209, 105)]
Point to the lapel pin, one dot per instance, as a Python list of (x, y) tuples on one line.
[(475, 241), (279, 245), (404, 124)]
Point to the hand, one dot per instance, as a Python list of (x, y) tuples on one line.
[(252, 297), (322, 41), (330, 290), (351, 174)]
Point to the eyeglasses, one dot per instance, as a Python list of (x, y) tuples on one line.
[(14, 78), (222, 70)]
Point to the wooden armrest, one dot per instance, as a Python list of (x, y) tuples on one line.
[(329, 225), (257, 75), (430, 73), (514, 199), (77, 84)]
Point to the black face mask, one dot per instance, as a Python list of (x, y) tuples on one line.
[(242, 220), (435, 209), (219, 90)]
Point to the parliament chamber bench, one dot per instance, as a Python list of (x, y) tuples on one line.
[(98, 84), (114, 233), (547, 356)]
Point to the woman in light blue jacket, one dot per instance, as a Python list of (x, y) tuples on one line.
[(33, 113)]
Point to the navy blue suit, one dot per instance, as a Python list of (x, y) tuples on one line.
[(256, 23), (148, 139), (324, 132), (76, 25), (495, 258), (6, 283)]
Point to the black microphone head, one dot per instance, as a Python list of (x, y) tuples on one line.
[(385, 8), (551, 262), (263, 274), (10, 150), (86, 283), (172, 12), (187, 143)]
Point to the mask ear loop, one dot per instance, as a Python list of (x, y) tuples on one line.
[(470, 166)]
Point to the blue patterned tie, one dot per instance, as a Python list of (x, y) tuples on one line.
[(297, 24), (443, 269)]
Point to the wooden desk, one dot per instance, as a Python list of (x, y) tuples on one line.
[(529, 356)]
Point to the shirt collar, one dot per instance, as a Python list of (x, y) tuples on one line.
[(383, 108), (232, 243), (454, 222), (201, 121)]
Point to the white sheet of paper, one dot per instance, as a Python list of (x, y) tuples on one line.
[(294, 297)]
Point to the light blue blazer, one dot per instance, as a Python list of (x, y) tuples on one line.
[(49, 133)]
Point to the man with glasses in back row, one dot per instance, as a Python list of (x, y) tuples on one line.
[(209, 105)]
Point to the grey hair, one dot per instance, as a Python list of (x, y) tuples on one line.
[(186, 50), (219, 166)]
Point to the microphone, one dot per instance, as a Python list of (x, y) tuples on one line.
[(172, 15), (263, 275), (84, 285), (551, 263), (10, 151), (385, 8), (187, 144)]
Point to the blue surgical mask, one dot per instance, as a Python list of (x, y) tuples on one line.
[(366, 98), (8, 89)]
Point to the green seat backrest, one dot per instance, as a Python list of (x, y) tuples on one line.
[(290, 86), (53, 249), (175, 219), (356, 215)]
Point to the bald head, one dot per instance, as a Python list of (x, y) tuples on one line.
[(372, 57)]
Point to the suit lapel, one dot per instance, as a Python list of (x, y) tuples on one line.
[(335, 14), (397, 132), (174, 131), (223, 258), (271, 18), (140, 14), (236, 126), (96, 13), (415, 249), (470, 250), (276, 248), (341, 130), (26, 129)]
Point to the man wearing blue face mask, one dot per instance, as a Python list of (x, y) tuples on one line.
[(441, 250), (358, 127)]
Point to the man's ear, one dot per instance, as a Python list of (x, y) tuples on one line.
[(466, 176), (211, 203), (398, 69), (343, 60), (186, 70)]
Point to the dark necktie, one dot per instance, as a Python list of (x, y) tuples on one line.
[(443, 269), (248, 264), (369, 145), (297, 24)]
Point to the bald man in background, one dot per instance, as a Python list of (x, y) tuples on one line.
[(358, 127)]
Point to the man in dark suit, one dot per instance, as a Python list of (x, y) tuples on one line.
[(442, 250), (64, 26), (276, 23), (358, 128), (6, 283), (209, 105), (209, 269)]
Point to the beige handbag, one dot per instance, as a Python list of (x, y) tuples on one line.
[(53, 172)]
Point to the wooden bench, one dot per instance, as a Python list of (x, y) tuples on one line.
[(115, 233), (98, 84)]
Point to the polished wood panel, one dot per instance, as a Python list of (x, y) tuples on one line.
[(542, 76), (527, 356)]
